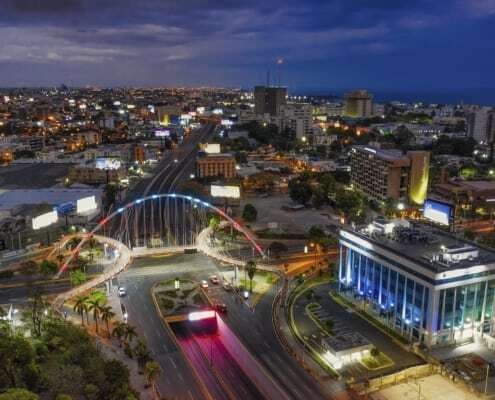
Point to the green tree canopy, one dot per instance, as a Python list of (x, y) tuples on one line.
[(249, 214)]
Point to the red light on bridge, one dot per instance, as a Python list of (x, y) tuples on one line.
[(199, 315)]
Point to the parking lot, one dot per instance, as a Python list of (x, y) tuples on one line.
[(344, 320)]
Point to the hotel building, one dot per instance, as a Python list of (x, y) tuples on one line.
[(384, 173), (428, 286)]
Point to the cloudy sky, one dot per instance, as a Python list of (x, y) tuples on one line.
[(327, 43)]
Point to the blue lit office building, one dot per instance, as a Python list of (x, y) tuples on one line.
[(427, 285)]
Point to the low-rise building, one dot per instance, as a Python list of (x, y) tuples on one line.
[(220, 165)]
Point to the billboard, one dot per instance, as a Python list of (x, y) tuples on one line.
[(86, 204), (161, 133), (232, 192), (45, 220), (107, 163), (212, 148), (438, 211)]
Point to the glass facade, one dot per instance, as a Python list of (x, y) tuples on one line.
[(411, 306)]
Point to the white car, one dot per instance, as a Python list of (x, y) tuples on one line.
[(121, 291), (204, 284), (214, 279)]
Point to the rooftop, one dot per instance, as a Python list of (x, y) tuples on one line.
[(13, 198), (386, 154), (432, 248)]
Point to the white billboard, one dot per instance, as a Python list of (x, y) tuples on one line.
[(107, 163), (45, 220), (86, 204), (438, 212), (161, 133), (212, 148), (232, 192)]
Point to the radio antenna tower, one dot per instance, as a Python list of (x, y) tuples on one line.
[(280, 62)]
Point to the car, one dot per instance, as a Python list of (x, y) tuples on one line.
[(214, 279), (204, 284), (221, 308), (227, 287), (121, 291)]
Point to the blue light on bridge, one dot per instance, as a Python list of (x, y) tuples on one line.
[(120, 209), (138, 201), (155, 196)]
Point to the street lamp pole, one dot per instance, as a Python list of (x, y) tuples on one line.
[(486, 378)]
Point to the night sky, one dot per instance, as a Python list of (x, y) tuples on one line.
[(384, 44)]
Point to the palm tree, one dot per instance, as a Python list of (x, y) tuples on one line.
[(81, 306), (118, 331), (251, 270), (94, 305), (152, 370), (92, 243), (129, 333), (106, 315), (142, 354)]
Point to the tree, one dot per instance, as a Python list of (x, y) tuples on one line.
[(251, 271), (111, 193), (18, 394), (250, 213), (142, 354), (277, 248), (91, 392), (214, 222), (151, 371), (16, 354), (74, 242), (77, 277), (320, 197), (81, 306), (375, 352), (106, 316), (36, 313), (118, 332), (95, 306), (48, 267), (129, 333), (92, 243), (300, 190)]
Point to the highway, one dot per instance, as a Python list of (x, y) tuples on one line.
[(255, 330), (215, 365)]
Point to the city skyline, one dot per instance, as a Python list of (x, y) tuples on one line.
[(403, 45)]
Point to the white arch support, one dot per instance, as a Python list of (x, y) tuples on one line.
[(132, 204)]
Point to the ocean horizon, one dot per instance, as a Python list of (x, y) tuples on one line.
[(481, 96)]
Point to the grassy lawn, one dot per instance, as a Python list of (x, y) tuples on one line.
[(262, 282), (377, 362)]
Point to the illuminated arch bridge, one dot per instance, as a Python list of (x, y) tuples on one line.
[(159, 221)]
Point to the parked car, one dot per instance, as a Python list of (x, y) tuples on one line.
[(214, 279), (121, 291), (204, 284)]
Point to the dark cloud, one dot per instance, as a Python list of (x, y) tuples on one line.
[(233, 42)]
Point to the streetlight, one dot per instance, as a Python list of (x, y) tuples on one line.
[(400, 206)]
